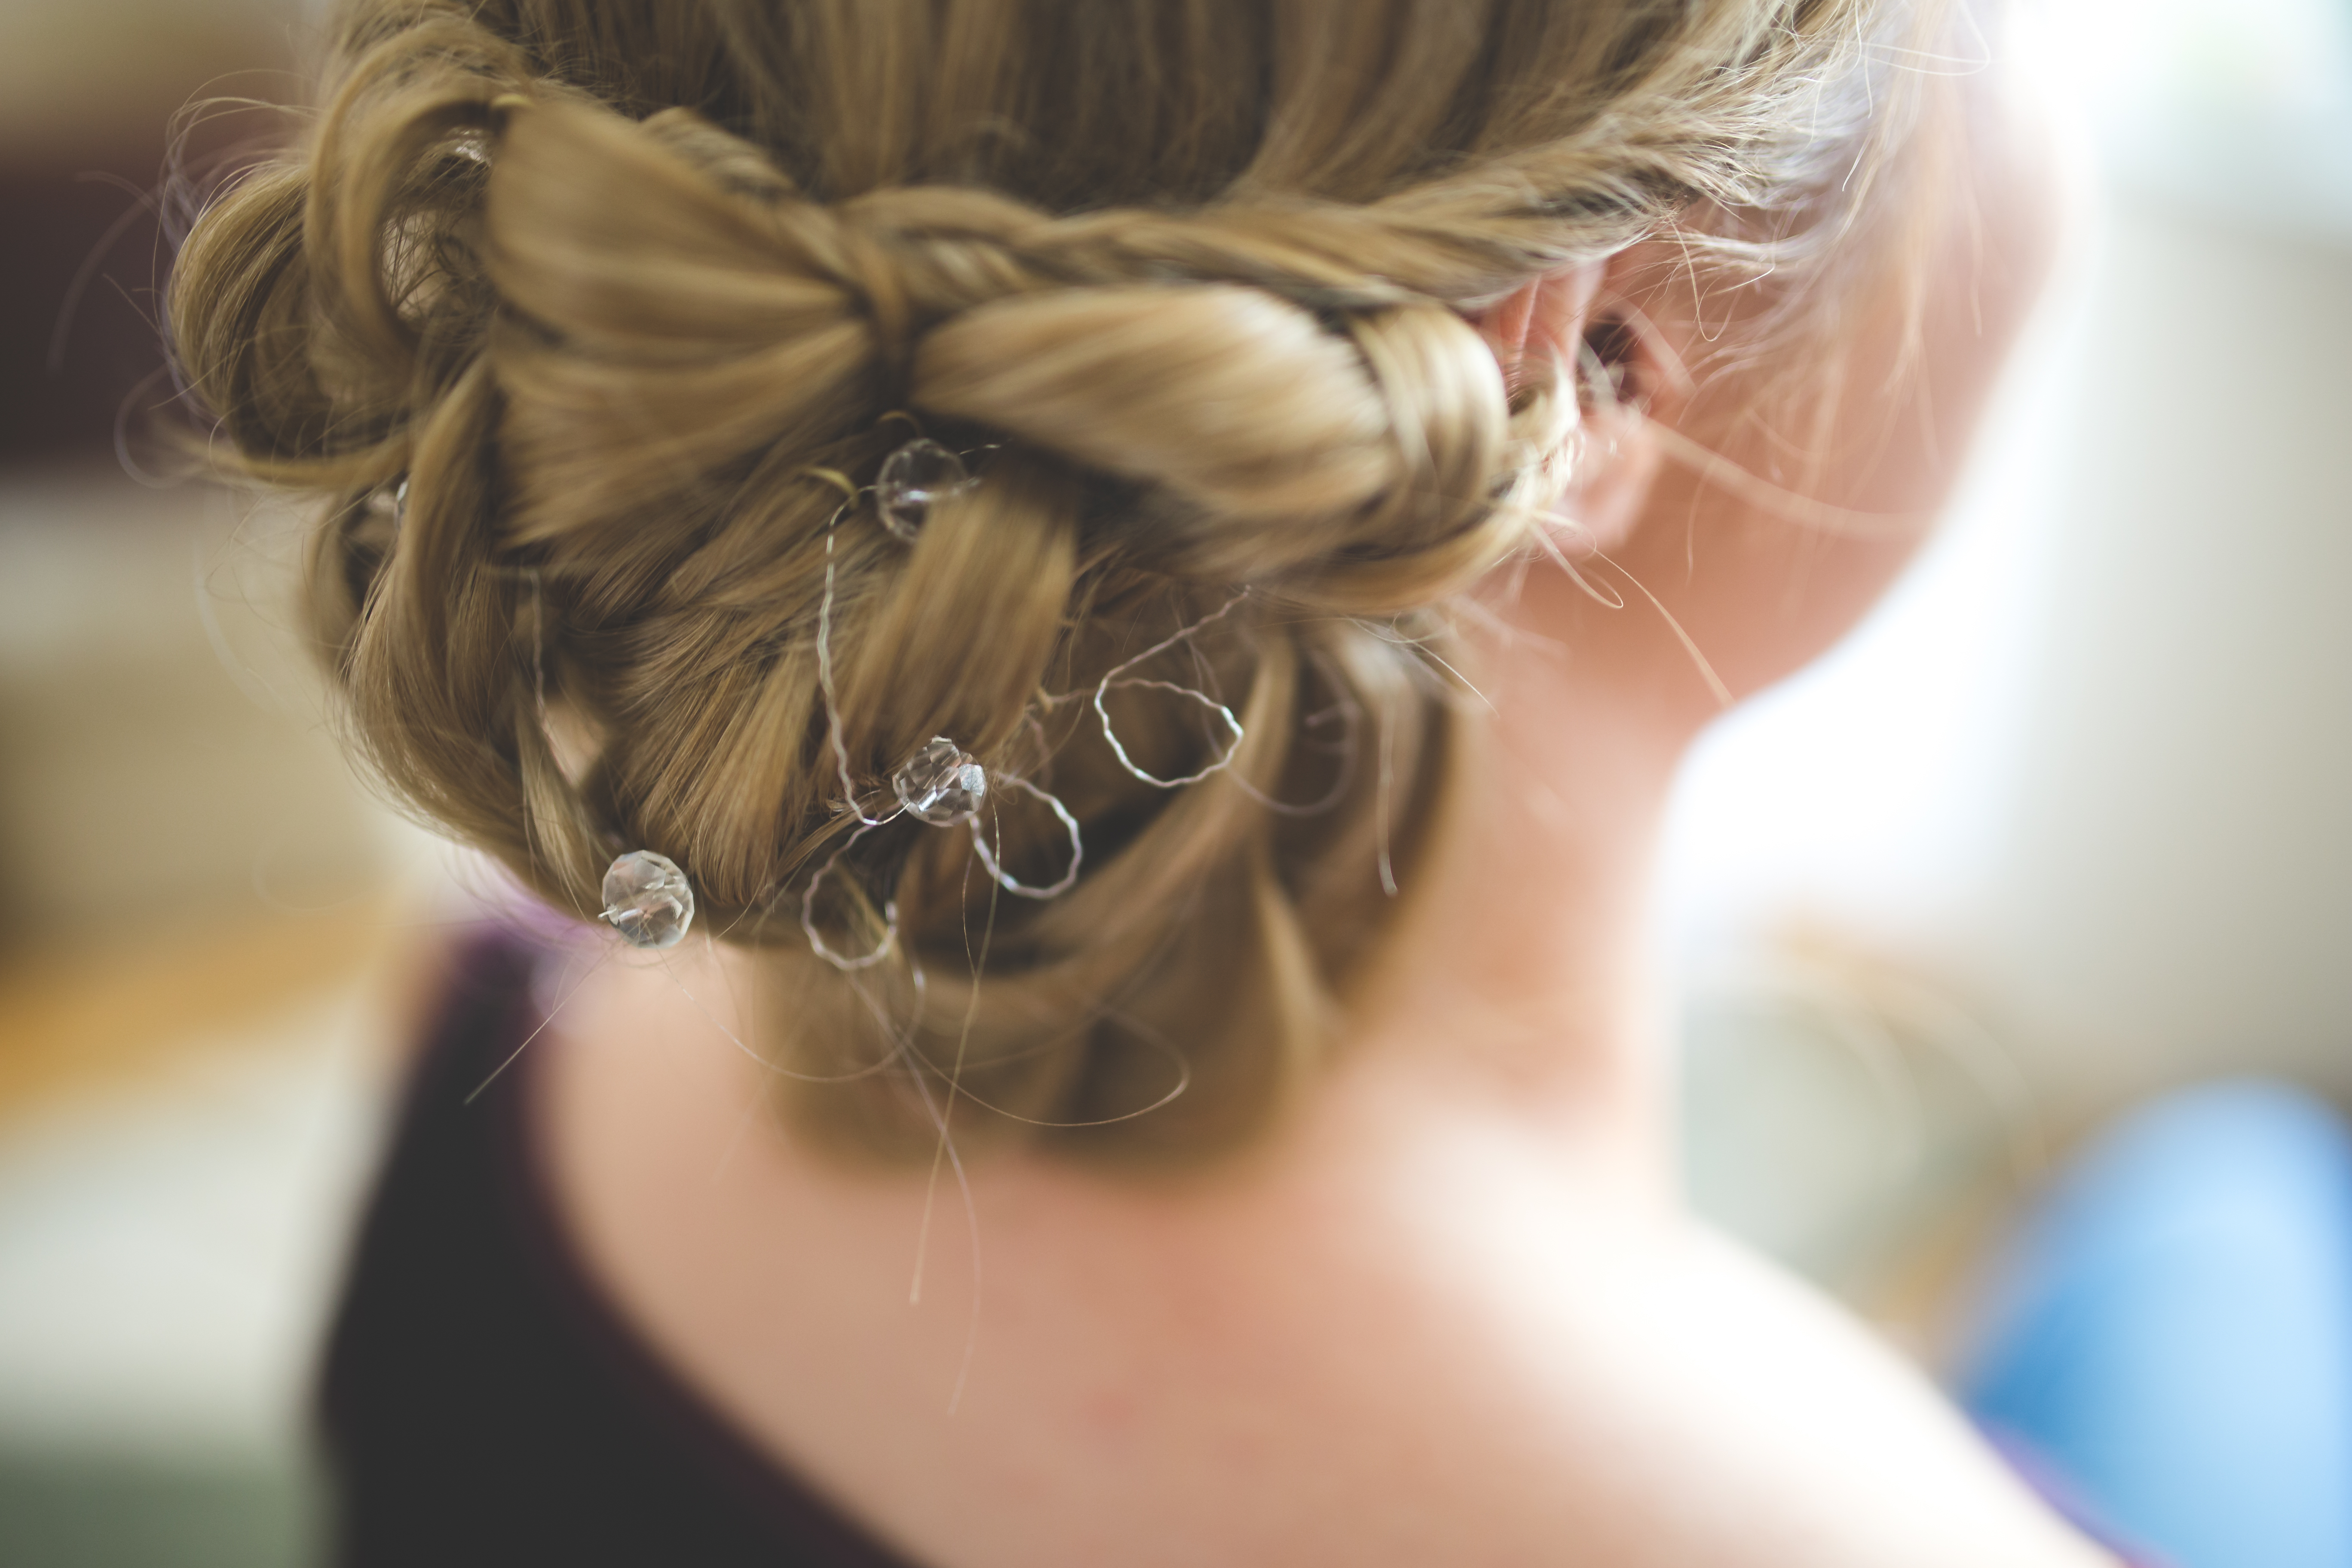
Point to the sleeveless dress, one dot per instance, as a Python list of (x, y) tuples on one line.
[(481, 1403)]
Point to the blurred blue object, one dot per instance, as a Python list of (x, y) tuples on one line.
[(2170, 1340)]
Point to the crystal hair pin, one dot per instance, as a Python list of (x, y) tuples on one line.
[(913, 480), (941, 783), (648, 901), (942, 786)]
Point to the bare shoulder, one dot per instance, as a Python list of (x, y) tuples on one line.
[(1419, 1355)]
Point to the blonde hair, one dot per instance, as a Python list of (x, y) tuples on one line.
[(624, 292)]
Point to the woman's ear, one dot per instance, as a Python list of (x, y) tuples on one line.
[(1533, 331), (1630, 379), (1583, 328)]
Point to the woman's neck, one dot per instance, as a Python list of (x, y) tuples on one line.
[(1519, 971)]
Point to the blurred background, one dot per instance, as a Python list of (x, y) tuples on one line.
[(2064, 824)]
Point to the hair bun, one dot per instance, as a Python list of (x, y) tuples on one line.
[(583, 378)]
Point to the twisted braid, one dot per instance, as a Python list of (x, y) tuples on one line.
[(1192, 355)]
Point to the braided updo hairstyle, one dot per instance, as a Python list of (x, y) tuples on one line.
[(590, 318)]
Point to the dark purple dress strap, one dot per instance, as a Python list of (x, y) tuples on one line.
[(481, 1403)]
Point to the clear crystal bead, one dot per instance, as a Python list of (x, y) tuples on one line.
[(648, 901), (941, 784), (912, 478)]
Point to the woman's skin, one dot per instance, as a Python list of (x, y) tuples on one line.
[(1452, 1312)]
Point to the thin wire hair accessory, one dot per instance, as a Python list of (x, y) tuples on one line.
[(941, 784), (1014, 885), (1116, 680)]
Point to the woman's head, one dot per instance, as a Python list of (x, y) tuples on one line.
[(627, 305)]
